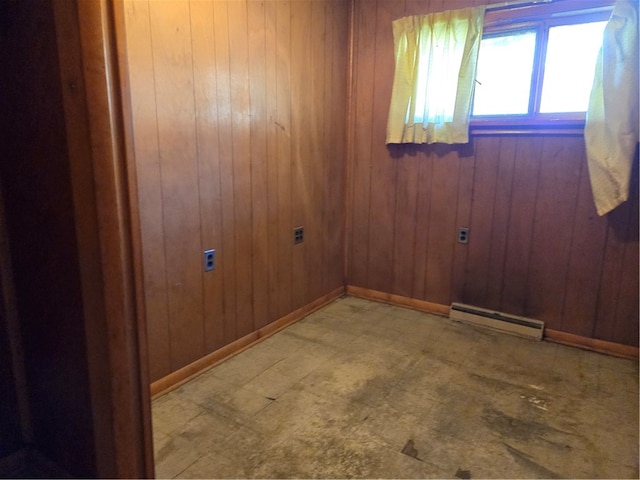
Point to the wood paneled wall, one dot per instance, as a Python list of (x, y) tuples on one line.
[(239, 127), (537, 247)]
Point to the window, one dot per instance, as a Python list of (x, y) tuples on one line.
[(536, 64)]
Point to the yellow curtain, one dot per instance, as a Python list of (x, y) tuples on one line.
[(435, 70), (611, 129)]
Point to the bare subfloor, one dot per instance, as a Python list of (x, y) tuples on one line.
[(363, 389)]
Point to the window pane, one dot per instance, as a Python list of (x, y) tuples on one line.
[(503, 82), (569, 67)]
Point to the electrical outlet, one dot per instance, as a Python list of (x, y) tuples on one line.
[(298, 235), (209, 260), (463, 235)]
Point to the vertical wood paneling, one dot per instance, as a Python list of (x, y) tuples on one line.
[(627, 315), (423, 211), (259, 161), (316, 217), (617, 296), (283, 122), (406, 206), (205, 91), (235, 145), (535, 248), (404, 226), (480, 228), (611, 278), (442, 217), (383, 169), (225, 258), (272, 130), (171, 43), (363, 88), (518, 248), (150, 198), (337, 12), (409, 240), (552, 231), (500, 225), (588, 241), (301, 181), (327, 188), (241, 138), (463, 216)]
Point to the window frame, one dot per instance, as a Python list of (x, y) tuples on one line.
[(539, 17)]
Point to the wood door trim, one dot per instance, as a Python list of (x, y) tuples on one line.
[(115, 334)]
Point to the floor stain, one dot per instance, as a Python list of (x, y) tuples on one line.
[(494, 383), (528, 462), (410, 450), (515, 428), (463, 474)]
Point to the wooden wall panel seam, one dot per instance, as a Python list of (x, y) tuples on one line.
[(159, 364), (160, 187), (572, 239), (349, 153), (199, 176), (526, 309)]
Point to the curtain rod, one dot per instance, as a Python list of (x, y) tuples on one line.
[(515, 3)]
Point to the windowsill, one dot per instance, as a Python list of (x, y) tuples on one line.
[(513, 126)]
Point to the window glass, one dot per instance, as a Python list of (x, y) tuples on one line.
[(569, 67), (505, 66)]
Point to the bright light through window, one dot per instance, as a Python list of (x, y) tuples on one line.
[(569, 67), (505, 65), (537, 63)]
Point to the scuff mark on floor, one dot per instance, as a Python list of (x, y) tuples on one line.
[(528, 462), (463, 474), (520, 429), (410, 450), (536, 402)]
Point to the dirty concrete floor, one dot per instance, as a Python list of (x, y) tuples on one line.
[(361, 389)]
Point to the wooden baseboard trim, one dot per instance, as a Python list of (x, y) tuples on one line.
[(398, 300), (179, 377), (593, 344)]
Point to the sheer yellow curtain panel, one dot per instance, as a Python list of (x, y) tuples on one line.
[(611, 129), (435, 69)]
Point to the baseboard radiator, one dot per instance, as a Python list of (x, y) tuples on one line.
[(520, 326)]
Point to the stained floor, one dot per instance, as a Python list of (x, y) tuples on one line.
[(361, 389)]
